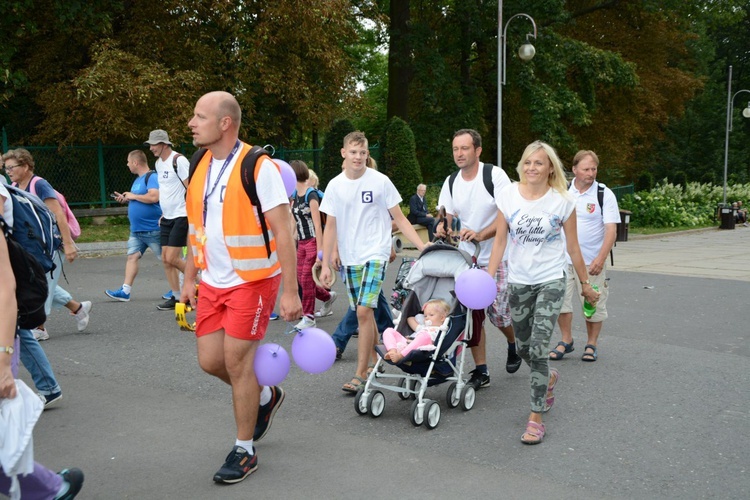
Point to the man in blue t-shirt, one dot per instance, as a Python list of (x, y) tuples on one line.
[(144, 214)]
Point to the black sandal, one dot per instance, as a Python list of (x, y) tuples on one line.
[(557, 355)]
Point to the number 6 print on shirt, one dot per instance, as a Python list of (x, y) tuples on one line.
[(366, 196)]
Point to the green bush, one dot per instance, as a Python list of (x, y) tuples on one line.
[(668, 205), (330, 165), (400, 157)]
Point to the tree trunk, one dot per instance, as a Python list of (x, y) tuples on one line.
[(399, 60)]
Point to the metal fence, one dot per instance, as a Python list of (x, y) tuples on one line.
[(621, 191), (87, 174)]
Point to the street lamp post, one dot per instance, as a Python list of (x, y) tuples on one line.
[(730, 109), (525, 52)]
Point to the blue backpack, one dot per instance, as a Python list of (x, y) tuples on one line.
[(35, 227)]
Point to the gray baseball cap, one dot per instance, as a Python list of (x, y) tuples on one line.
[(158, 137)]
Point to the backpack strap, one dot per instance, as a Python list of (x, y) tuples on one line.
[(194, 161), (600, 199), (486, 179), (249, 164), (148, 174), (174, 167)]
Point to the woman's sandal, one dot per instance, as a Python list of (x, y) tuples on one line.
[(590, 356), (354, 385), (536, 431), (557, 355), (550, 388)]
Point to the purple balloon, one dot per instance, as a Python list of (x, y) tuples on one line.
[(271, 364), (475, 288), (287, 175), (313, 350), (320, 254)]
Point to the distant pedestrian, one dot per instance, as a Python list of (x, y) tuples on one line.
[(144, 214), (597, 216), (309, 227), (172, 170), (419, 213)]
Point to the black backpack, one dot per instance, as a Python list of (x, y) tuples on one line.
[(247, 174), (486, 179), (31, 282)]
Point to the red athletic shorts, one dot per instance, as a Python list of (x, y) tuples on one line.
[(241, 311)]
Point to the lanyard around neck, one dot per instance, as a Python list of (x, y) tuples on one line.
[(218, 178)]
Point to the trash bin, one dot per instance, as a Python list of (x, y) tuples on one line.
[(624, 225), (727, 217)]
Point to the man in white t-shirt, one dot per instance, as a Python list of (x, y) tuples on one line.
[(597, 232), (470, 195), (172, 170), (242, 266)]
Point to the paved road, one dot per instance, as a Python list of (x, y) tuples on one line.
[(664, 413)]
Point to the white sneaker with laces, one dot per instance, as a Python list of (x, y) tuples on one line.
[(40, 334), (82, 316), (306, 322), (327, 308)]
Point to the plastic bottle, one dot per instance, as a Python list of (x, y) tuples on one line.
[(588, 309)]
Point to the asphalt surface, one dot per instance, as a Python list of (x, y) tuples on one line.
[(663, 413)]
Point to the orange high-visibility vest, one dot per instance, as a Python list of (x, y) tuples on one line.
[(242, 233)]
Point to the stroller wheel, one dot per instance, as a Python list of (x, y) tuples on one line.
[(360, 403), (468, 397), (417, 416), (432, 414), (376, 404), (404, 395), (452, 397)]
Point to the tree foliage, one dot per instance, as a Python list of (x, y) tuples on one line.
[(400, 157), (331, 156), (123, 71)]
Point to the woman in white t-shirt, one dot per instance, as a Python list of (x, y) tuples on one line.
[(535, 212)]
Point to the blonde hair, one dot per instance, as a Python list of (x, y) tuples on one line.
[(313, 180), (556, 179), (355, 137), (371, 163), (442, 305)]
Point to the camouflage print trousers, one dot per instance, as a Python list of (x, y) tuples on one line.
[(534, 310)]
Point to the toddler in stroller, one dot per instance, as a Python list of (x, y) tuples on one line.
[(433, 321), (431, 280)]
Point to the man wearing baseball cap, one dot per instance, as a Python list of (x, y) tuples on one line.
[(172, 170)]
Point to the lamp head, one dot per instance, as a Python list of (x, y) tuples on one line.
[(526, 52), (746, 111)]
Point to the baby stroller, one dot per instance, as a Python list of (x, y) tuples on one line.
[(432, 276)]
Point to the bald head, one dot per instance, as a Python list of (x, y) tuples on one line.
[(216, 122)]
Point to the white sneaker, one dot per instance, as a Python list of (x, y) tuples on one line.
[(327, 308), (306, 322), (40, 334), (82, 316)]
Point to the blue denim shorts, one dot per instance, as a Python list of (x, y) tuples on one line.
[(139, 241)]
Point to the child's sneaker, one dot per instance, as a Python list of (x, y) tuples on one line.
[(118, 294), (306, 322), (82, 316), (50, 400), (327, 308), (168, 295), (238, 465), (273, 316), (40, 334)]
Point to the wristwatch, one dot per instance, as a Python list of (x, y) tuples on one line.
[(9, 349), (587, 282)]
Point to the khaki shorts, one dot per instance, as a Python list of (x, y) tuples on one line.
[(573, 287)]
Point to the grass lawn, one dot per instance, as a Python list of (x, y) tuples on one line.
[(113, 229)]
